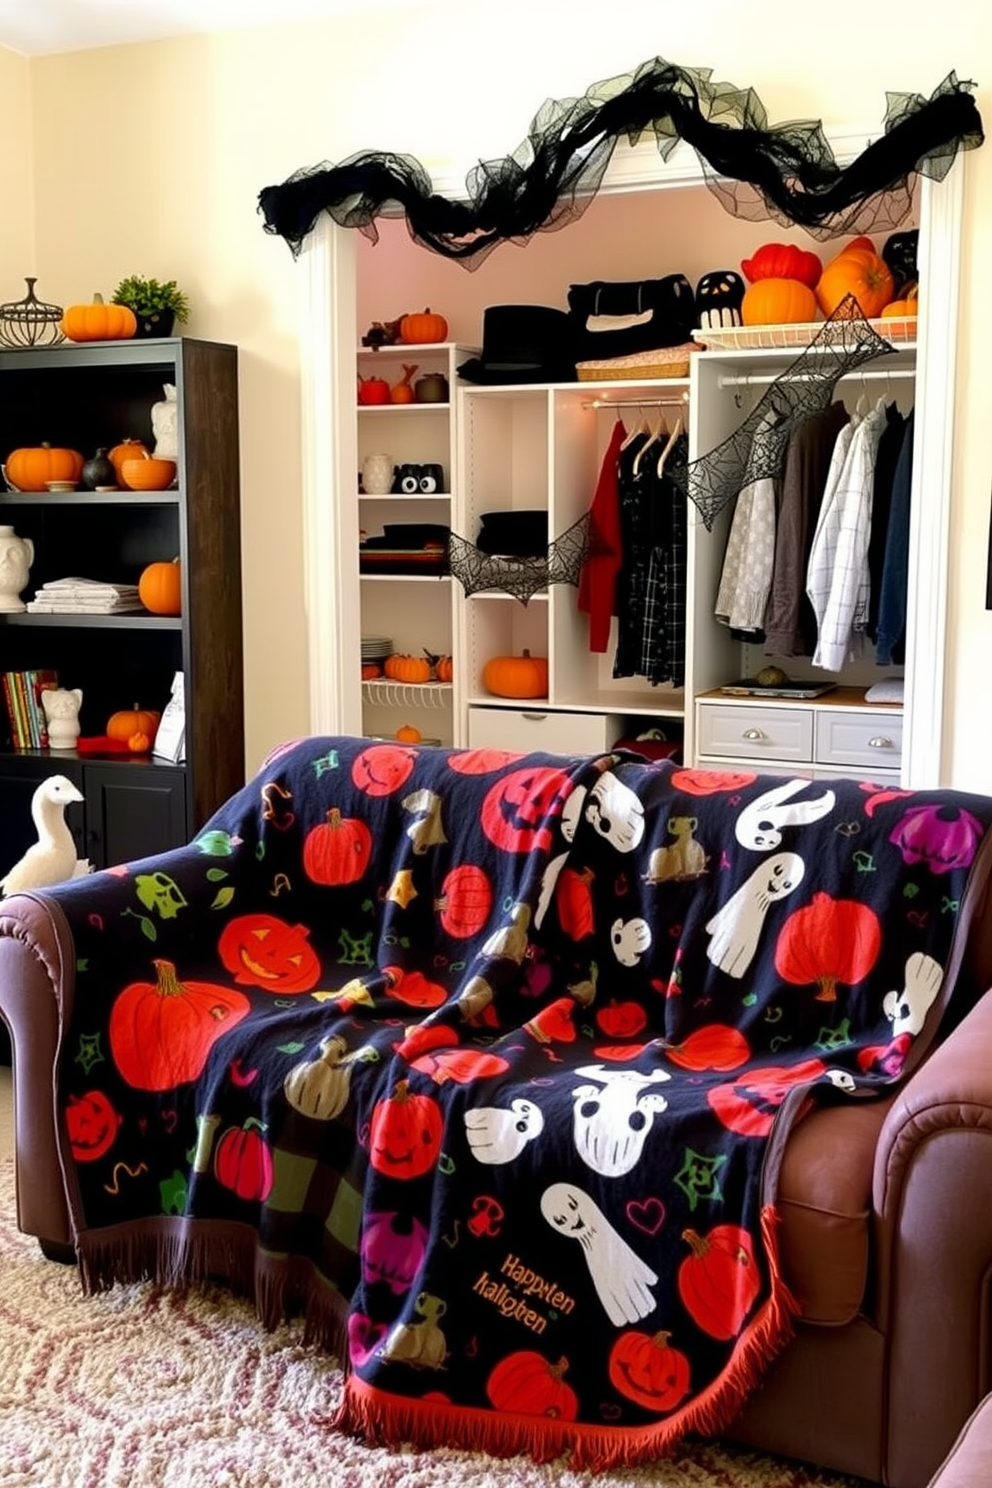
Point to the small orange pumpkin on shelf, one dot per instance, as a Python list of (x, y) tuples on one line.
[(29, 469), (402, 668), (128, 449), (523, 676), (160, 588), (129, 723), (402, 391), (906, 308), (371, 671), (408, 733), (99, 322), (423, 326)]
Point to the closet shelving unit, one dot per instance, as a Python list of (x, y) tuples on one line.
[(839, 731), (415, 611), (539, 447)]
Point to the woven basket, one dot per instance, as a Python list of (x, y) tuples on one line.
[(670, 361)]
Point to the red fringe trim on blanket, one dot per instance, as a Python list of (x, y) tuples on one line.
[(178, 1253), (382, 1417)]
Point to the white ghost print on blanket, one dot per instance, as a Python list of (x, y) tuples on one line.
[(907, 1010), (615, 812), (622, 1280), (630, 939), (760, 824), (497, 1135), (570, 814), (736, 928), (611, 1119)]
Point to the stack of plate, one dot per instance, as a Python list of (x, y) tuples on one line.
[(376, 648)]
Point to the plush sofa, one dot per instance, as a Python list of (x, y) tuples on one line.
[(884, 1205)]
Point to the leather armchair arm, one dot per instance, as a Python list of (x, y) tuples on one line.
[(932, 1191), (37, 979)]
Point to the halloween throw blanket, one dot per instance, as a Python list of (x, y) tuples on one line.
[(482, 1061)]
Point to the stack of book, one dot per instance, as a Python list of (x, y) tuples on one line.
[(22, 694), (84, 597)]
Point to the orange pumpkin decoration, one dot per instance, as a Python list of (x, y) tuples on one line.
[(371, 671), (719, 1282), (405, 1133), (783, 261), (128, 449), (403, 668), (337, 851), (160, 588), (523, 676), (525, 1384), (407, 733), (648, 1370), (778, 302), (828, 941), (444, 669), (130, 721), (99, 322), (402, 391), (906, 308), (30, 469), (466, 900), (139, 743), (161, 1032), (421, 327), (858, 271)]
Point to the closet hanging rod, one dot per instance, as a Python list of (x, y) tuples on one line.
[(763, 379), (637, 402)]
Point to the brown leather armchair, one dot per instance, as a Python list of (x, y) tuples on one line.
[(886, 1227)]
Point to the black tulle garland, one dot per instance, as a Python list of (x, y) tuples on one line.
[(786, 172)]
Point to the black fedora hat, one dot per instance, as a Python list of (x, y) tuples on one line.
[(523, 343)]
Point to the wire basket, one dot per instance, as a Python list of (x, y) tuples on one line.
[(30, 322)]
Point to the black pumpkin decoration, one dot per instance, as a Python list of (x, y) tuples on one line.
[(899, 253)]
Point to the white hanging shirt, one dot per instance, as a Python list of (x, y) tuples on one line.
[(837, 581)]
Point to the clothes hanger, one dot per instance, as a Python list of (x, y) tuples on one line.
[(653, 436), (670, 445), (641, 427)]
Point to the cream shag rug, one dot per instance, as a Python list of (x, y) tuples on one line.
[(137, 1388)]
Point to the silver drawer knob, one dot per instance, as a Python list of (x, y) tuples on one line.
[(753, 734), (880, 742), (534, 717)]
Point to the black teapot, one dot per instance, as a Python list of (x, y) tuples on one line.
[(431, 388)]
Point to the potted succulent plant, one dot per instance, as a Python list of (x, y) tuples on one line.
[(156, 305)]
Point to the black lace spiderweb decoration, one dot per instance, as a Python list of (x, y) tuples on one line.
[(785, 172), (521, 577), (756, 449)]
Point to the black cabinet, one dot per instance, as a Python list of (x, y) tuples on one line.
[(81, 397)]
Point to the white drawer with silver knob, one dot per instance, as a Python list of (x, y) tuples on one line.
[(537, 727), (757, 733), (866, 739)]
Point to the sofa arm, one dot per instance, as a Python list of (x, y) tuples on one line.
[(37, 976), (933, 1233)]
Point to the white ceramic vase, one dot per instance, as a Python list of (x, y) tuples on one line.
[(16, 558), (377, 475)]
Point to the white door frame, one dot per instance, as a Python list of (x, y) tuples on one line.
[(328, 341)]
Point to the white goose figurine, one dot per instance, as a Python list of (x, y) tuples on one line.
[(52, 858)]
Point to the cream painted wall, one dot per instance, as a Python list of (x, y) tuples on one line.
[(17, 234), (148, 159)]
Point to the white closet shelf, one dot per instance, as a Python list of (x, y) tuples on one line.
[(408, 694)]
